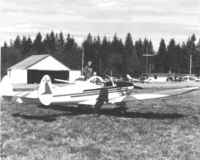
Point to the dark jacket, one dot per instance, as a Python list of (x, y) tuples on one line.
[(87, 72), (103, 95)]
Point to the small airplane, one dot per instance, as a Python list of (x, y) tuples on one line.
[(82, 93), (131, 79)]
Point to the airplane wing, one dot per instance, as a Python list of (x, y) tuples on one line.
[(64, 81), (90, 102), (146, 96), (143, 96), (22, 97)]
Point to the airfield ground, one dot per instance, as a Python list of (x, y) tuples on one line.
[(164, 129)]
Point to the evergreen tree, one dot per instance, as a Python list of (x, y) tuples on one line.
[(37, 44), (184, 61), (130, 57), (17, 42), (97, 56), (105, 52), (47, 44), (70, 42), (88, 48), (5, 45), (60, 41), (116, 57), (23, 46), (161, 58), (11, 43), (172, 56), (128, 45), (52, 46), (139, 48), (117, 45), (196, 59)]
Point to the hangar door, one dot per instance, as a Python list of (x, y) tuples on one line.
[(35, 76)]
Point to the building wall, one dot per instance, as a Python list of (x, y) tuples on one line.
[(48, 63), (74, 74), (17, 76)]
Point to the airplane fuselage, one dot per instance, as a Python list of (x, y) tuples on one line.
[(80, 93)]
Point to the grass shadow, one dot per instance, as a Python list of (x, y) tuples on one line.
[(73, 111), (45, 118), (70, 110), (151, 115), (147, 115)]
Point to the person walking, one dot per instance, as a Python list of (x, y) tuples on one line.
[(103, 97)]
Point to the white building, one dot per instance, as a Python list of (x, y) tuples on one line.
[(33, 68)]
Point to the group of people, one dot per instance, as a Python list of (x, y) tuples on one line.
[(103, 95)]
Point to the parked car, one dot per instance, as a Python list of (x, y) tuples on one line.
[(197, 79), (189, 78)]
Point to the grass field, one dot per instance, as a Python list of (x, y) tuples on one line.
[(162, 129)]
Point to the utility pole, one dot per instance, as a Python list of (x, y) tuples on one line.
[(190, 51), (82, 60), (190, 63), (147, 68), (100, 65)]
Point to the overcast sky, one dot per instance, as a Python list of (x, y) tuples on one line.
[(154, 19)]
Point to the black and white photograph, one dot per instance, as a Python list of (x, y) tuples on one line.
[(100, 80)]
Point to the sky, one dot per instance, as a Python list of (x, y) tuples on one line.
[(153, 19)]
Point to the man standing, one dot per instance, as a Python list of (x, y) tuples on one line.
[(103, 97), (87, 70)]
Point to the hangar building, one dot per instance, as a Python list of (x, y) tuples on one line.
[(32, 69)]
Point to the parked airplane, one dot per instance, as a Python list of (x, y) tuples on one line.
[(131, 79), (82, 93)]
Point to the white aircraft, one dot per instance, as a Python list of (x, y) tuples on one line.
[(82, 93), (131, 79)]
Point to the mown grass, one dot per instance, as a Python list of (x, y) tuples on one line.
[(155, 129)]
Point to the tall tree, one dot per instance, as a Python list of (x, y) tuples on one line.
[(70, 42), (17, 42), (47, 44), (191, 50), (60, 41), (105, 53), (172, 56), (88, 48), (117, 45), (5, 45), (161, 58), (139, 48), (130, 57), (37, 44), (52, 46)]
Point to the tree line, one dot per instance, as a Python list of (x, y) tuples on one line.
[(113, 56)]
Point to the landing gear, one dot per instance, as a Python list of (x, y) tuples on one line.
[(123, 108)]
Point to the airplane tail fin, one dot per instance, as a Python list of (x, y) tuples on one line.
[(129, 77), (6, 88), (45, 90)]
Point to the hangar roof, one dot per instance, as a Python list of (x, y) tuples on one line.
[(33, 60)]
